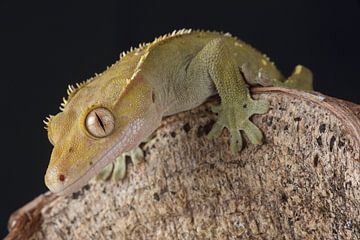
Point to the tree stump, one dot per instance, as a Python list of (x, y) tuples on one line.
[(302, 183)]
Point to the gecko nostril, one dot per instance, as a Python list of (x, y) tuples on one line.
[(62, 177)]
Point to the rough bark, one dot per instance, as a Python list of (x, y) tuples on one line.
[(303, 183)]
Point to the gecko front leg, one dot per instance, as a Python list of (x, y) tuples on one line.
[(117, 169), (235, 117), (236, 106)]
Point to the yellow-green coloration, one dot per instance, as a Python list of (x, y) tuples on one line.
[(113, 112)]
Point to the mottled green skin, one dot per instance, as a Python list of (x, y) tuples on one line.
[(184, 70), (187, 69)]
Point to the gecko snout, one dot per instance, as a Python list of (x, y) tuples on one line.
[(61, 177), (55, 180)]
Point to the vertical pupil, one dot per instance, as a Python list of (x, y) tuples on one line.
[(100, 122)]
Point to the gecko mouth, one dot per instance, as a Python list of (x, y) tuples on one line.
[(126, 142)]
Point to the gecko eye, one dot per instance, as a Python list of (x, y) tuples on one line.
[(100, 122)]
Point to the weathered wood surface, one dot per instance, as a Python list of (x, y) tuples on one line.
[(303, 183)]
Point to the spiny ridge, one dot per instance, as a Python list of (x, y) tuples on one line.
[(71, 91), (47, 120)]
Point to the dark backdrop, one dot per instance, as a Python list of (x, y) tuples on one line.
[(46, 46)]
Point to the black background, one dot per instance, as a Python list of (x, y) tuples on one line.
[(46, 46)]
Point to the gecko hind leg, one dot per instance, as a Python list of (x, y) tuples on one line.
[(301, 78), (117, 169)]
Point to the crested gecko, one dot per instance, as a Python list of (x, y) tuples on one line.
[(108, 115)]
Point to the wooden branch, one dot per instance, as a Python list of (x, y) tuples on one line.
[(303, 183)]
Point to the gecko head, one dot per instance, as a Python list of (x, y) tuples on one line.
[(101, 120)]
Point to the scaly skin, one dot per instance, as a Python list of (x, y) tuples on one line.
[(174, 73)]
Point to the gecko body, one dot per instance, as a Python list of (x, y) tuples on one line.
[(113, 112)]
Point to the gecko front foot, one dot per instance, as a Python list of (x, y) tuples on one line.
[(235, 117), (117, 169)]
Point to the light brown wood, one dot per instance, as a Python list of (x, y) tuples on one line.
[(302, 183)]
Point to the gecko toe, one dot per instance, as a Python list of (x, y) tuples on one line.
[(216, 131), (105, 173), (137, 155), (119, 168), (252, 132), (259, 107), (236, 143)]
